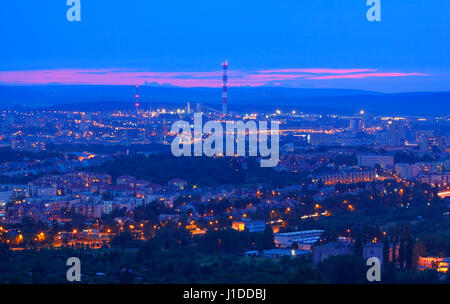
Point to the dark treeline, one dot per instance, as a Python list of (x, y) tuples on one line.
[(172, 256), (203, 171), (10, 155)]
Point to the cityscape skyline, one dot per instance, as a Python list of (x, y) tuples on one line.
[(225, 142)]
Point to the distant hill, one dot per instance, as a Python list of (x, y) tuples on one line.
[(321, 100)]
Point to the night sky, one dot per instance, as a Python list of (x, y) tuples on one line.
[(291, 43)]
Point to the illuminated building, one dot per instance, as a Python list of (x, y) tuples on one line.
[(357, 124), (440, 264), (307, 237), (348, 177), (249, 225), (372, 160)]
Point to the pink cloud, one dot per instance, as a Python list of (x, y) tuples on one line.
[(358, 76), (182, 79), (111, 77), (318, 71)]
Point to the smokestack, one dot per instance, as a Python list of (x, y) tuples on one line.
[(225, 88), (137, 99)]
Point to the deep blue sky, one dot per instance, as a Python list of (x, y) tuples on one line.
[(196, 36)]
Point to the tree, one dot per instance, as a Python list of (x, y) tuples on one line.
[(418, 251), (268, 240), (447, 278), (401, 253), (389, 275), (344, 269), (358, 248), (121, 240), (409, 254), (386, 250)]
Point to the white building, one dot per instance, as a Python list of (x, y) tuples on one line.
[(373, 250), (406, 170), (107, 207), (5, 196), (249, 225), (277, 253), (372, 160), (304, 238)]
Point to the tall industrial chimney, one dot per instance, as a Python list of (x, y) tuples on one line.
[(137, 99), (224, 88)]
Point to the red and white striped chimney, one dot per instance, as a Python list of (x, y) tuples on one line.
[(225, 88)]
